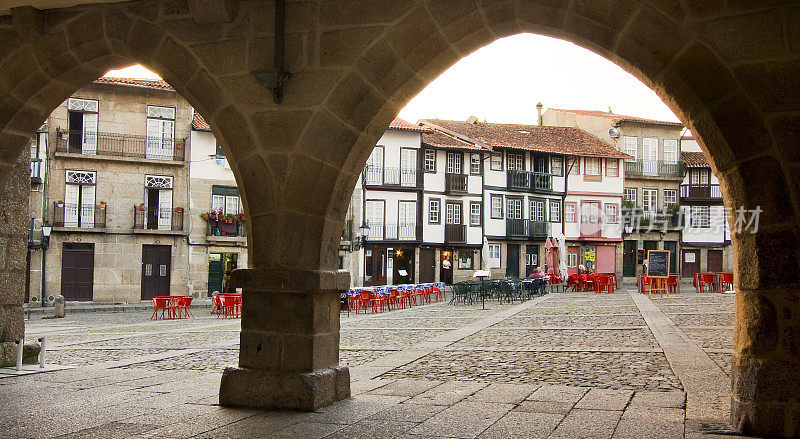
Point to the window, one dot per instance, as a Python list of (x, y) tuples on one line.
[(611, 214), (474, 213), (557, 166), (670, 197), (670, 151), (537, 212), (612, 167), (592, 166), (574, 166), (590, 212), (465, 259), (496, 161), (698, 176), (82, 120), (555, 211), (497, 206), (630, 146), (430, 160), (572, 260), (160, 132), (630, 195), (569, 212), (434, 208), (407, 220), (220, 153), (649, 200), (454, 162), (494, 256), (540, 164), (373, 170), (79, 198), (513, 208), (452, 214), (373, 216), (408, 167), (516, 162), (225, 199), (158, 202), (474, 163), (700, 217)]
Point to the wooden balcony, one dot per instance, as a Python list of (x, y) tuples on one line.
[(378, 176), (527, 229), (120, 145), (701, 193), (36, 170), (163, 219), (529, 181), (455, 183), (653, 169), (79, 216), (455, 234), (392, 231)]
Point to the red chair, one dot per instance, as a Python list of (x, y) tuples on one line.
[(419, 292), (574, 281), (707, 279), (725, 280), (160, 303), (672, 284), (393, 299), (602, 283), (588, 281), (230, 306), (613, 278), (380, 303), (405, 298), (644, 281), (184, 306), (437, 293), (364, 299)]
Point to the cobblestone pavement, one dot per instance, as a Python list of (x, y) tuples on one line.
[(566, 365)]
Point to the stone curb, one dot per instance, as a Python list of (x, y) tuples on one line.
[(85, 308)]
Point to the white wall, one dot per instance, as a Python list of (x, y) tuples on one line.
[(578, 183), (572, 230), (202, 150)]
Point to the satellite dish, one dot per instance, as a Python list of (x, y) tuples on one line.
[(613, 133)]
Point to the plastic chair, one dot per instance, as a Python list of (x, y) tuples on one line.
[(184, 306), (672, 284), (364, 299), (228, 306), (602, 283), (726, 280), (706, 279), (644, 281), (160, 303), (380, 302)]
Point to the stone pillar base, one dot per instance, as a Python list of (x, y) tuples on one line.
[(283, 390)]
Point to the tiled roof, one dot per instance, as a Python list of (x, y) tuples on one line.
[(199, 124), (617, 117), (438, 139), (695, 159), (156, 84), (559, 140), (402, 125)]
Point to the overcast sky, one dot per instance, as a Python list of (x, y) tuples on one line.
[(503, 81)]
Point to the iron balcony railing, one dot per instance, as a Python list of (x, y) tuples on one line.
[(653, 168), (691, 192), (396, 177), (528, 181), (455, 183), (392, 231), (84, 216), (455, 234), (527, 229), (158, 218), (221, 228), (36, 170), (120, 145)]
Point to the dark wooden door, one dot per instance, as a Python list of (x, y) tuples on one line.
[(77, 271), (512, 260), (714, 261), (215, 274), (629, 258), (531, 259), (672, 246), (690, 263), (427, 265), (156, 269)]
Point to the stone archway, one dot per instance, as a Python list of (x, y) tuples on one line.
[(726, 70)]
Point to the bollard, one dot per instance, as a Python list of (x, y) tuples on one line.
[(59, 306), (41, 352), (20, 346)]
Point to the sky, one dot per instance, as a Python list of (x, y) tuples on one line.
[(502, 82)]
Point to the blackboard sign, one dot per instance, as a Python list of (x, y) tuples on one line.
[(658, 263), (640, 256)]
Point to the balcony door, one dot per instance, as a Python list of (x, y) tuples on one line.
[(82, 126), (454, 162), (408, 167), (373, 171), (79, 197), (158, 201), (650, 156), (407, 220), (374, 211), (160, 132), (649, 201)]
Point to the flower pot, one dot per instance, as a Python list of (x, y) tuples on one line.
[(223, 233), (102, 206)]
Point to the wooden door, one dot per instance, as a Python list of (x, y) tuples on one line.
[(629, 258), (573, 254), (672, 246), (531, 259), (215, 273), (605, 259), (156, 269), (690, 263), (714, 261), (427, 265), (77, 271), (512, 260)]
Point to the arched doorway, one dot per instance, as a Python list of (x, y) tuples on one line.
[(726, 70)]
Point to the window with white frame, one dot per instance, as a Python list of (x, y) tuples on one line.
[(630, 195), (555, 211), (454, 162), (225, 199), (670, 197), (513, 208), (630, 146), (497, 206), (516, 161), (612, 167), (374, 214), (670, 151), (79, 199), (496, 161), (574, 166), (494, 256), (474, 163), (475, 213), (572, 260), (592, 166), (430, 160), (434, 210), (569, 212), (452, 212), (590, 212), (537, 212), (701, 217), (557, 166), (611, 214), (649, 200), (160, 132)]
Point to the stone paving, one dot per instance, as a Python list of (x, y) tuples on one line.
[(567, 365)]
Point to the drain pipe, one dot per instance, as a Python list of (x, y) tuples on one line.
[(20, 344)]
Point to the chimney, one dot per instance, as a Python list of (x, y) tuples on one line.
[(539, 107), (472, 120)]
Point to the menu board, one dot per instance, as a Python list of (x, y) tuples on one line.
[(658, 263)]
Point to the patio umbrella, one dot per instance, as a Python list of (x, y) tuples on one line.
[(485, 254)]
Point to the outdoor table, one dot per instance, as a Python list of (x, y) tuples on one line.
[(172, 304)]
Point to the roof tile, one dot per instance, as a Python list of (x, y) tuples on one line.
[(199, 124), (695, 159), (617, 117), (402, 125), (157, 84)]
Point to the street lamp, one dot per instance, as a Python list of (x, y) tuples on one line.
[(363, 230), (46, 230)]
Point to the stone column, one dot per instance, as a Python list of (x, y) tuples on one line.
[(289, 352), (15, 182)]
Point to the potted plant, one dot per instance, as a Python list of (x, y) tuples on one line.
[(141, 207), (102, 204), (60, 203), (628, 204), (674, 212), (222, 232), (179, 209), (204, 216), (180, 143)]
